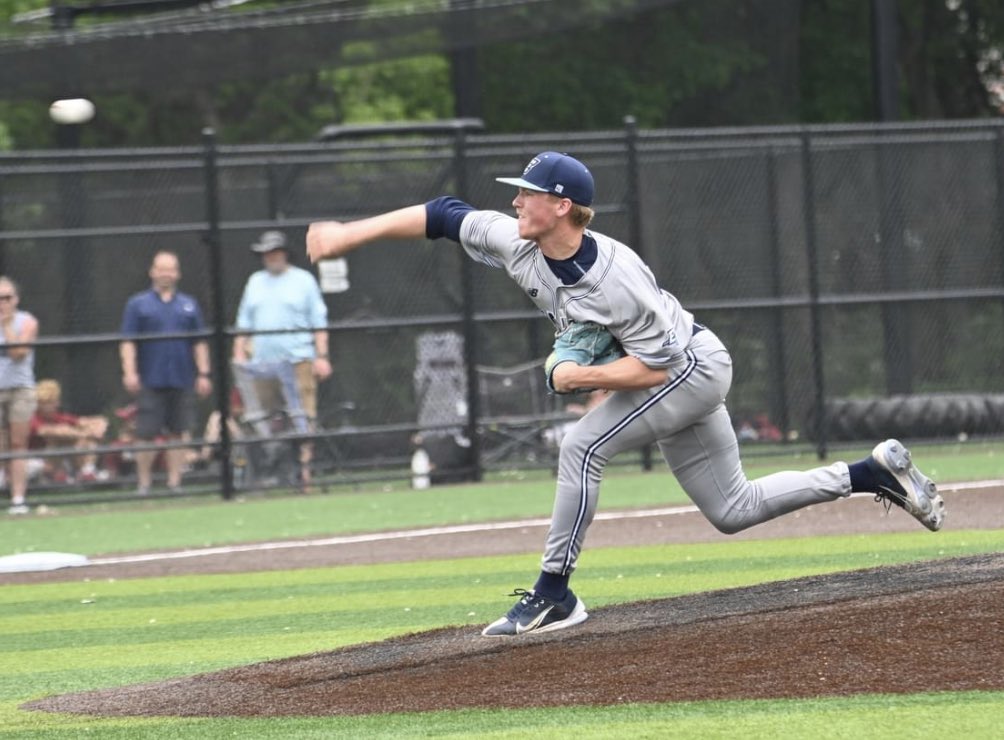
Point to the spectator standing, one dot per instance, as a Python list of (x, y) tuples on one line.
[(17, 389), (163, 373), (283, 296)]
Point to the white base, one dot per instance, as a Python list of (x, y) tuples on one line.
[(31, 561)]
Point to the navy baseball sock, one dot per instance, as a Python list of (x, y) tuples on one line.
[(551, 585), (863, 478)]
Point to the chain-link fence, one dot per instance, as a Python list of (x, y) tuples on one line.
[(839, 264)]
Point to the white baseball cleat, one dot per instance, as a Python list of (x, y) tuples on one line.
[(904, 485)]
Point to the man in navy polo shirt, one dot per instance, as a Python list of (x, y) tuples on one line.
[(164, 372)]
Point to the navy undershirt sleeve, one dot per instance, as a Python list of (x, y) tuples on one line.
[(443, 217)]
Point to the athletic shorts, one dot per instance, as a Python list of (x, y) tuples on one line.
[(270, 391), (164, 410), (17, 405)]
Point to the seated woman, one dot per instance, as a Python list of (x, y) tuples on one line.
[(52, 428)]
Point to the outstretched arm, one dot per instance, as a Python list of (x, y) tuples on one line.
[(334, 238)]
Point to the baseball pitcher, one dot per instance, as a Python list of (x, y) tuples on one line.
[(618, 330)]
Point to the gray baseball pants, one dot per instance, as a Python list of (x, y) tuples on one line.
[(687, 418)]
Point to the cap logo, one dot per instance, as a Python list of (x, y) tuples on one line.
[(559, 188), (533, 163)]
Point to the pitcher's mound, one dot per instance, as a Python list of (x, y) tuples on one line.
[(900, 629)]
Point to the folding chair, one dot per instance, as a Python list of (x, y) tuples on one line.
[(280, 457)]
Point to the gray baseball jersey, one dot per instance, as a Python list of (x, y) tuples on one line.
[(686, 417), (618, 290)]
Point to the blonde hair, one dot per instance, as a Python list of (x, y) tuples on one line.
[(581, 216), (48, 391), (4, 280)]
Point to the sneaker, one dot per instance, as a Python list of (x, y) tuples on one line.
[(533, 613), (904, 485), (18, 509)]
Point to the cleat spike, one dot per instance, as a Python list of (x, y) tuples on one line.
[(904, 485)]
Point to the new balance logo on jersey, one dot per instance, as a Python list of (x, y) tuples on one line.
[(670, 338), (533, 292)]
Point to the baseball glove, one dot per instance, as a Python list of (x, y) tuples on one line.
[(584, 344)]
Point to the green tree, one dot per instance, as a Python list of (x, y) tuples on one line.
[(687, 65), (835, 61), (949, 54), (715, 62)]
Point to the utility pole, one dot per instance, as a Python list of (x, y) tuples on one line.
[(885, 69), (465, 79)]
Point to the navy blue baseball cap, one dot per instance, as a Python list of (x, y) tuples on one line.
[(558, 174)]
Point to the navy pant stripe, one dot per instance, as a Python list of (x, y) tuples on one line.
[(606, 437)]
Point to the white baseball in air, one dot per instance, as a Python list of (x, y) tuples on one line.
[(72, 110)]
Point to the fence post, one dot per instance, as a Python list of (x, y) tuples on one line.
[(896, 317), (470, 327), (3, 242), (999, 176), (78, 390), (635, 237), (272, 190), (811, 248), (3, 227), (779, 355), (220, 374)]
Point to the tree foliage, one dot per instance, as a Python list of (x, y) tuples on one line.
[(687, 65), (715, 62)]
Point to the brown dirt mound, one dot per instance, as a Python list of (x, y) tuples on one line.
[(919, 627)]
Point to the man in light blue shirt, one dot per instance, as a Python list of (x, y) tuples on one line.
[(283, 296)]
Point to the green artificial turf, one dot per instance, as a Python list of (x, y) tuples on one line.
[(88, 634), (153, 525), (60, 637)]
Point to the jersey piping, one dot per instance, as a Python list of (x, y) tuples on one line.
[(606, 437)]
